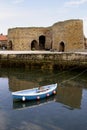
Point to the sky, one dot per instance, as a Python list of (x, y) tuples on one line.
[(40, 13)]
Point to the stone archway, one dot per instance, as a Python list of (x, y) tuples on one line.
[(62, 47), (10, 45), (42, 42), (34, 45), (85, 43)]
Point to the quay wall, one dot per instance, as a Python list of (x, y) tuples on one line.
[(44, 60)]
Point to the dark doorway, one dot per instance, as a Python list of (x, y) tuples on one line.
[(42, 42), (62, 46), (85, 43), (34, 45), (9, 46)]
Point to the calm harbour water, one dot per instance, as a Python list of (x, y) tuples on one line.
[(65, 111)]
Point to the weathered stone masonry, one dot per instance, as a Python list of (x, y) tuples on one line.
[(45, 60), (62, 36)]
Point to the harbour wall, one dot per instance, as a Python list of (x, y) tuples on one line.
[(43, 59)]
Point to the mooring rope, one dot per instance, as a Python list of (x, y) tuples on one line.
[(57, 74), (73, 77)]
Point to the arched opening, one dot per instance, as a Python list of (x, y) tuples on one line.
[(34, 45), (42, 42), (85, 43), (9, 46), (62, 47)]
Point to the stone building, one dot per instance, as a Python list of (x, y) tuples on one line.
[(3, 42), (62, 36)]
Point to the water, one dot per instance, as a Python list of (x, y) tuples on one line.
[(65, 111)]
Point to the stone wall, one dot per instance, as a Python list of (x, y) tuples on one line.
[(46, 60), (22, 37), (62, 36), (71, 33)]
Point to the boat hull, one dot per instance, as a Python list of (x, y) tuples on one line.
[(36, 96)]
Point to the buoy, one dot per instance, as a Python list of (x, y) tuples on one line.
[(54, 92), (38, 97), (23, 98), (47, 94)]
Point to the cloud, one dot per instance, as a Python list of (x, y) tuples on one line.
[(7, 15), (17, 1), (75, 2)]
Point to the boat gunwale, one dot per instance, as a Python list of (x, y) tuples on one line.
[(35, 91)]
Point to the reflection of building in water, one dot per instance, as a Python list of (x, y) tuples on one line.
[(70, 96), (16, 84), (26, 80)]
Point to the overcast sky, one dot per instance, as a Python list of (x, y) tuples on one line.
[(40, 13)]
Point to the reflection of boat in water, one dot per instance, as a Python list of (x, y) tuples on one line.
[(33, 103), (35, 93)]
